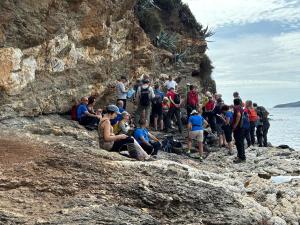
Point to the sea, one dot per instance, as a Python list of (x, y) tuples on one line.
[(285, 127)]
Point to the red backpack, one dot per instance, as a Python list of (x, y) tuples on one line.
[(192, 98), (252, 115)]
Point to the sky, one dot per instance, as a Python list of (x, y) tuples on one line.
[(255, 49)]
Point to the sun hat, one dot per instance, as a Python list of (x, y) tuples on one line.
[(194, 112), (113, 108)]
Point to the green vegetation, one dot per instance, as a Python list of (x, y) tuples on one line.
[(166, 41)]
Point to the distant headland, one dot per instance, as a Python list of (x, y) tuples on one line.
[(288, 105)]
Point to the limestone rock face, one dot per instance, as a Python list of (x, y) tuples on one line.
[(52, 52)]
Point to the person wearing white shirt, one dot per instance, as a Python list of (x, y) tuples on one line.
[(121, 91), (170, 83)]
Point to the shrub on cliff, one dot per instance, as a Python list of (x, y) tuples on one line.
[(167, 5), (150, 22)]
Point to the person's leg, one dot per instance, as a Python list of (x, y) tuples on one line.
[(137, 115), (155, 121), (259, 135), (252, 131), (228, 137), (148, 148), (200, 143), (168, 119), (147, 112), (177, 114), (247, 136), (265, 134), (88, 120), (239, 142), (188, 110), (120, 143), (156, 147)]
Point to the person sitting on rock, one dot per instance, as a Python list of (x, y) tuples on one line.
[(116, 143), (84, 117), (195, 128), (123, 126), (115, 121), (91, 104), (143, 136), (107, 139)]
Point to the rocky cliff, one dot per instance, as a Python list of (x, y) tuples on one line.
[(52, 52), (51, 169)]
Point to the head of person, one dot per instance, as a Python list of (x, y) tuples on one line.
[(194, 112), (218, 96), (112, 111), (91, 100), (192, 87), (125, 115), (254, 105), (120, 104), (165, 100), (249, 104), (236, 94), (225, 108), (156, 86), (171, 89), (143, 122), (123, 79), (84, 100), (220, 101), (237, 102), (170, 78), (200, 109), (209, 96), (146, 82)]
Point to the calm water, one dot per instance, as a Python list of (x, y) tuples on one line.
[(285, 127)]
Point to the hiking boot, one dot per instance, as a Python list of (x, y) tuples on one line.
[(238, 160)]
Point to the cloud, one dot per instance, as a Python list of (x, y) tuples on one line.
[(219, 13)]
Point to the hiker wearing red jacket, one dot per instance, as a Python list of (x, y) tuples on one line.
[(192, 100), (252, 118)]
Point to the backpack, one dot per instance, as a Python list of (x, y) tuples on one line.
[(170, 145), (252, 115), (245, 121), (74, 112), (176, 99), (157, 100), (145, 98), (192, 98)]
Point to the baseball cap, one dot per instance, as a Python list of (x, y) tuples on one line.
[(113, 108), (194, 112)]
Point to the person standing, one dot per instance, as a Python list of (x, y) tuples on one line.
[(144, 96), (209, 107), (170, 83), (157, 110), (195, 129), (252, 118), (192, 100), (227, 117), (238, 131), (263, 126), (121, 91), (175, 102)]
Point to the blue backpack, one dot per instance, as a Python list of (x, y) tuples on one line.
[(245, 121)]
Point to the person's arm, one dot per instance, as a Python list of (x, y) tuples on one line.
[(205, 123), (227, 121), (237, 121), (189, 126), (92, 115), (138, 93), (107, 134), (153, 137), (124, 128), (152, 95), (122, 87), (142, 139)]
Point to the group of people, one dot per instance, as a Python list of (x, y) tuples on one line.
[(163, 104)]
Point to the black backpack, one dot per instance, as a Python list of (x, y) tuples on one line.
[(144, 97), (176, 99), (157, 100)]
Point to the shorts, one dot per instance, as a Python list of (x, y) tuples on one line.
[(157, 111), (219, 129), (196, 135)]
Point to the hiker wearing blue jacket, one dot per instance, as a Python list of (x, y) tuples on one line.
[(195, 127)]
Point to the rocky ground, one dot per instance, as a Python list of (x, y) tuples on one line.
[(52, 172)]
